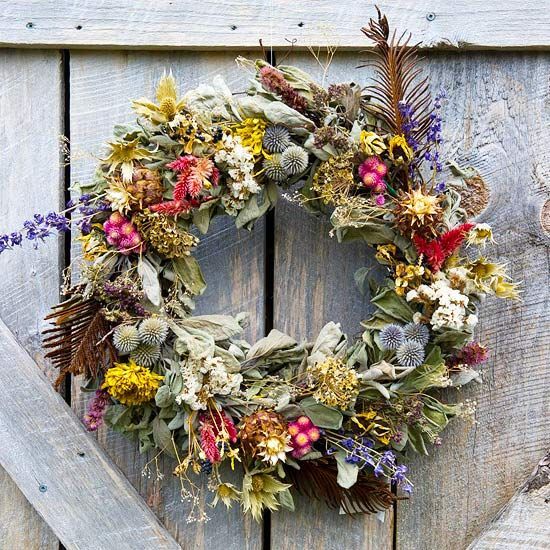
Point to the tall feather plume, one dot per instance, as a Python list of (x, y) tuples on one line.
[(318, 479), (397, 79), (77, 341)]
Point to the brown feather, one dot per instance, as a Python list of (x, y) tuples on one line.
[(77, 341), (397, 79), (317, 479)]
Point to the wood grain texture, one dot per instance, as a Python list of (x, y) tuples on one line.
[(314, 284), (497, 119), (523, 523), (233, 262), (30, 115), (219, 24), (62, 471)]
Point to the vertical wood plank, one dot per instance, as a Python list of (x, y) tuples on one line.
[(30, 115), (233, 261), (314, 284), (497, 119)]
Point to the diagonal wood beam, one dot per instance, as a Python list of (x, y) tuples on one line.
[(525, 521), (62, 471)]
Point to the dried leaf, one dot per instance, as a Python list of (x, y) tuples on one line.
[(318, 479), (78, 340)]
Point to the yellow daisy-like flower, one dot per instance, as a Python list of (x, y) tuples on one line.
[(399, 150), (131, 384), (123, 154), (385, 253), (93, 245), (274, 448), (251, 131), (417, 210), (492, 278), (371, 143)]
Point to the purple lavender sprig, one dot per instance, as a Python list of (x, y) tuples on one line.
[(39, 227)]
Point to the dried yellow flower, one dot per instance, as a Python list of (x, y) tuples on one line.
[(407, 277), (164, 234), (417, 211), (399, 150), (131, 384), (251, 131), (334, 179), (336, 384), (371, 143)]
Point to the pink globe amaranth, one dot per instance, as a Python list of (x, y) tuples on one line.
[(379, 187), (381, 169), (133, 243), (372, 180), (117, 218), (380, 200), (303, 434)]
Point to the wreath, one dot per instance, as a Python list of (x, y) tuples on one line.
[(333, 419)]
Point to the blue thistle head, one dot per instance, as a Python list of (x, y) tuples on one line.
[(410, 354), (276, 138), (391, 336), (417, 332)]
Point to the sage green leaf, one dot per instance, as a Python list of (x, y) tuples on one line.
[(162, 436), (220, 327), (178, 421), (274, 341), (392, 304), (416, 440), (431, 374), (321, 415), (149, 280), (327, 343), (189, 272), (201, 219), (347, 473), (286, 500), (453, 338), (164, 397)]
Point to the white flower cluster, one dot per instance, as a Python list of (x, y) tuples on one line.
[(451, 304), (239, 163), (209, 378)]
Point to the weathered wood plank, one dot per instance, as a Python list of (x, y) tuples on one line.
[(30, 111), (497, 119), (523, 523), (233, 261), (314, 285), (62, 471), (237, 24)]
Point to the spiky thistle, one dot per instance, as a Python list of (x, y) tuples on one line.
[(294, 160), (126, 338), (276, 138), (273, 168), (410, 354), (417, 332), (153, 330), (392, 336), (146, 355)]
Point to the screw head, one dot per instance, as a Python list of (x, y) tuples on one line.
[(29, 25), (42, 488), (430, 16)]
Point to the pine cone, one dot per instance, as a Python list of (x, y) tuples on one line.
[(145, 188), (258, 427)]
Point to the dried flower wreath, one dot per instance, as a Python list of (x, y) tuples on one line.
[(330, 419)]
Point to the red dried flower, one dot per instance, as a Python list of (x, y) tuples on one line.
[(438, 250), (471, 354)]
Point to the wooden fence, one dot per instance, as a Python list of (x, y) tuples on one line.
[(70, 68)]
